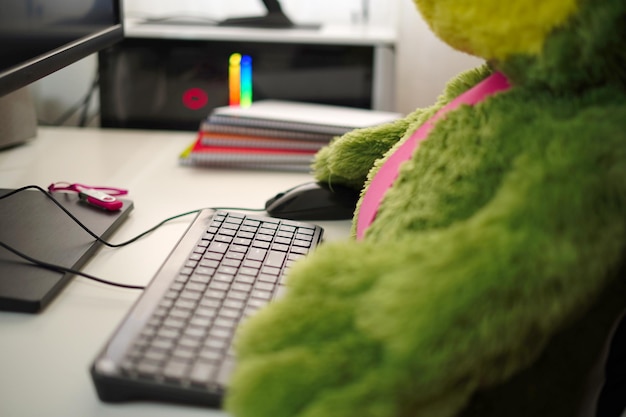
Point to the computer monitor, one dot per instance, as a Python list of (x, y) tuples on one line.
[(39, 37)]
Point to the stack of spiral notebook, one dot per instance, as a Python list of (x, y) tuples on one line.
[(274, 134)]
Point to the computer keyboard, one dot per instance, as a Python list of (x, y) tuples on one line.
[(175, 343)]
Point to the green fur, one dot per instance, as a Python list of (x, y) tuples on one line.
[(499, 242), (587, 52)]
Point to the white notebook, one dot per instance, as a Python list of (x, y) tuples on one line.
[(300, 116)]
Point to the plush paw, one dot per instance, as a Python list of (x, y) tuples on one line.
[(348, 159), (321, 351), (306, 356)]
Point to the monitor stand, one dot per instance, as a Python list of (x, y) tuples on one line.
[(275, 18), (18, 120)]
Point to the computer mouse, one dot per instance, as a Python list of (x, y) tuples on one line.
[(313, 201)]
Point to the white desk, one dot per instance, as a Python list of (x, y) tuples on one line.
[(45, 358)]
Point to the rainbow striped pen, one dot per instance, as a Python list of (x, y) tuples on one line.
[(240, 80)]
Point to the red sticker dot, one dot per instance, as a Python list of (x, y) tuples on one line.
[(195, 98)]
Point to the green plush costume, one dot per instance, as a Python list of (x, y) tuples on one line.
[(491, 274)]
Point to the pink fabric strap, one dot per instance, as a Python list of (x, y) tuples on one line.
[(388, 172)]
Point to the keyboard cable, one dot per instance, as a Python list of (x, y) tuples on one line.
[(64, 269)]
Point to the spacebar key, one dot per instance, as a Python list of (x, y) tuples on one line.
[(275, 259)]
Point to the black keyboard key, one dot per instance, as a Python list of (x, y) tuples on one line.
[(202, 372), (256, 254), (275, 259), (225, 371)]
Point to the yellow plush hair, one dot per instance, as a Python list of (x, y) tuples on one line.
[(499, 28)]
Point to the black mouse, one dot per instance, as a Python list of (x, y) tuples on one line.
[(313, 201)]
